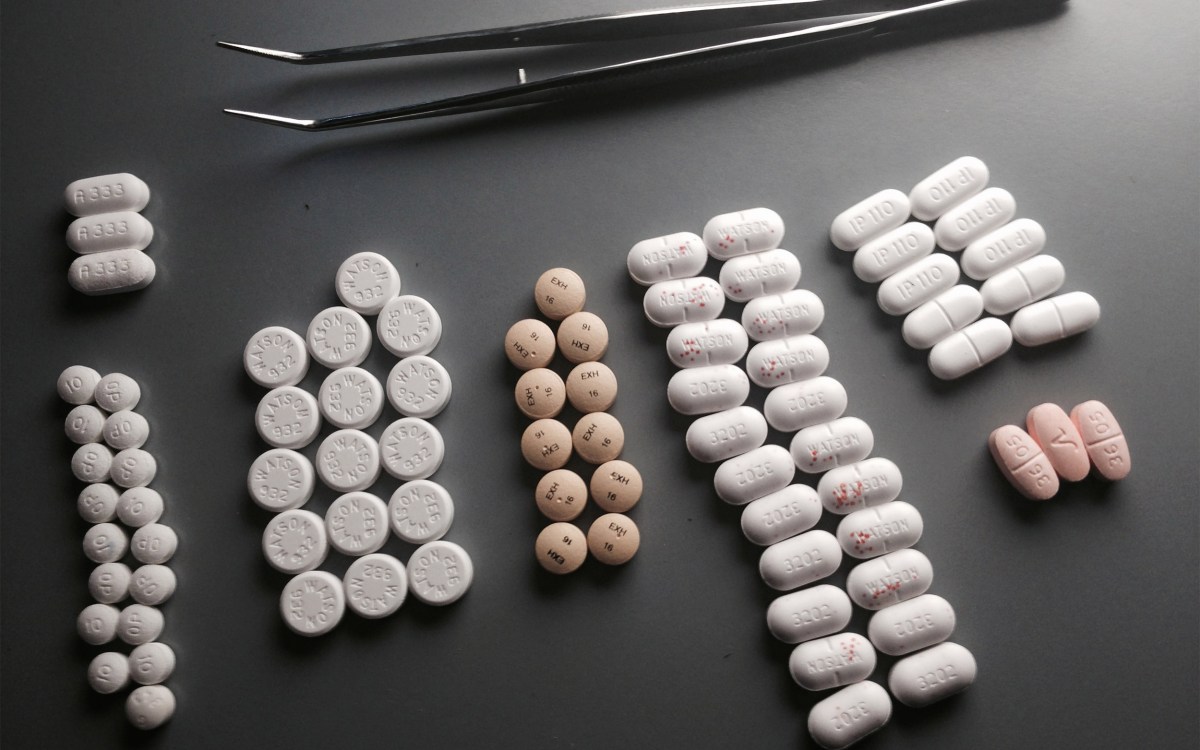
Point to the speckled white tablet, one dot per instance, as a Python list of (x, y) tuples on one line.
[(357, 523), (774, 363), (375, 585), (862, 484), (778, 316), (693, 300), (419, 386), (800, 560), (950, 311), (805, 403), (288, 417), (133, 467), (1024, 283), (973, 218), (275, 356), (412, 448), (108, 583), (912, 625), (138, 506), (154, 544), (92, 462), (832, 661), (890, 579), (754, 474), (139, 624), (409, 325), (871, 532), (108, 672), (440, 572), (348, 460), (111, 272), (726, 434), (84, 424), (869, 218), (117, 391), (151, 663), (849, 715), (77, 384), (105, 542), (916, 284), (126, 429), (420, 511), (338, 337), (781, 514), (117, 230), (947, 187), (704, 390), (751, 231), (1003, 248), (312, 603), (759, 274), (150, 706), (365, 281), (716, 342), (827, 446), (1055, 318), (152, 584), (295, 541), (969, 349), (891, 251), (673, 256), (97, 623), (931, 675), (107, 192), (809, 613), (281, 479), (97, 503)]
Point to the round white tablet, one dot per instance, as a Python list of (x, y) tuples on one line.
[(126, 429), (412, 448), (295, 541), (108, 672), (440, 572), (348, 460), (409, 325), (116, 391), (85, 424), (92, 463), (287, 417), (105, 542), (151, 663), (138, 506), (312, 603), (133, 467), (154, 544), (275, 356), (150, 706), (77, 384), (351, 397), (139, 624), (281, 479), (365, 281), (98, 503), (152, 584), (356, 523), (109, 582), (419, 387), (376, 586), (97, 623), (421, 511), (338, 337)]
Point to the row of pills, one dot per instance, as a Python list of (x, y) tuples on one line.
[(102, 409), (110, 234), (941, 314)]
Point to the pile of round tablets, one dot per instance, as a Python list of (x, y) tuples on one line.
[(111, 462), (597, 438), (349, 461), (1003, 253), (110, 234)]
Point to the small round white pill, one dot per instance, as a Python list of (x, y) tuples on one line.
[(108, 583), (105, 542), (138, 506), (419, 386), (295, 541), (154, 543), (107, 192), (412, 448), (133, 467), (440, 572), (356, 523), (376, 585), (312, 603), (85, 424), (92, 463), (338, 337), (117, 391), (281, 479), (351, 397), (97, 623), (288, 417), (111, 272), (151, 663), (275, 356), (409, 325), (150, 706), (139, 624), (126, 429), (152, 584), (98, 503), (108, 672), (77, 384), (421, 511), (348, 460), (365, 281)]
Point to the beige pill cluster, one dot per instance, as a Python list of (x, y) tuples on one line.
[(110, 234)]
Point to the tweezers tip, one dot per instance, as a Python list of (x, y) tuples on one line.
[(274, 54), (287, 122)]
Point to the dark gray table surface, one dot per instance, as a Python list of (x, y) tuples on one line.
[(1082, 612)]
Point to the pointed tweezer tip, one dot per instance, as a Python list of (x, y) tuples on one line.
[(287, 122), (274, 54)]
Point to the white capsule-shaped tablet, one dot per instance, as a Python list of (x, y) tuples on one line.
[(759, 274), (420, 511), (107, 192), (693, 300), (97, 623), (774, 363), (287, 417), (440, 572), (754, 474), (133, 467), (312, 603), (863, 484), (779, 515), (140, 624), (704, 390), (891, 251), (348, 460), (809, 613), (751, 231), (1003, 248), (295, 541), (948, 187), (912, 625), (849, 715), (338, 337), (365, 281), (357, 523), (726, 434), (154, 544), (84, 424), (97, 502), (890, 579), (914, 285), (716, 342), (1024, 283), (869, 218), (138, 506), (275, 356), (108, 583), (152, 584), (419, 386), (77, 384), (375, 585), (673, 256), (950, 311), (931, 675), (281, 479), (832, 661), (871, 532), (118, 230), (151, 663), (108, 672), (827, 446), (126, 429), (973, 218), (805, 403), (105, 543), (1055, 318), (92, 462), (778, 316), (409, 325), (117, 391), (969, 349), (111, 272), (800, 560)]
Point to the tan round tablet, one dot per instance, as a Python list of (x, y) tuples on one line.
[(616, 486), (529, 343), (598, 437), (546, 444), (561, 495), (559, 292), (613, 539), (540, 393), (582, 337), (561, 548), (592, 386)]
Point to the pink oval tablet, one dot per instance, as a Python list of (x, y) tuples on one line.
[(1060, 440), (1023, 463), (1106, 444)]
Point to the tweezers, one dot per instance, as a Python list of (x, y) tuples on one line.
[(851, 21)]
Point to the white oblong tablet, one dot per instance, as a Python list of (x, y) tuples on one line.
[(756, 275), (891, 251), (890, 579), (77, 384), (805, 403), (126, 429), (779, 515), (108, 583), (869, 218), (295, 541), (863, 484), (947, 187), (1024, 283), (275, 356), (108, 672), (92, 462), (950, 311), (97, 502), (774, 363), (827, 446), (150, 706), (107, 192), (849, 715), (312, 603), (376, 585), (933, 674), (287, 417), (754, 474), (778, 316), (412, 448), (111, 272), (973, 218), (704, 390), (419, 386), (348, 460), (154, 544), (693, 300), (117, 391), (338, 337), (832, 661), (912, 625), (673, 256), (440, 572), (97, 623), (871, 532), (365, 281), (280, 480), (420, 511), (117, 230), (409, 325), (138, 506), (357, 523), (152, 584), (914, 285), (1055, 319), (84, 424), (726, 434), (350, 397), (716, 342), (809, 613), (1003, 248), (151, 663), (800, 560), (969, 349), (105, 543), (133, 467), (140, 624), (751, 231)]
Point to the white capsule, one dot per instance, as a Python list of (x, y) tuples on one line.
[(108, 672), (849, 715), (950, 311), (151, 663), (716, 342), (84, 424), (409, 325), (863, 484), (97, 623), (281, 479), (419, 386), (1055, 318), (288, 417), (914, 285), (869, 218), (139, 624), (138, 506), (889, 252), (912, 625), (832, 661), (805, 403), (969, 349), (117, 391), (97, 502), (150, 706), (726, 434), (133, 467), (890, 579), (126, 429), (1024, 283), (77, 384), (338, 337), (827, 446), (1003, 248), (759, 274), (948, 187), (348, 460), (105, 543), (751, 231), (275, 356), (295, 541), (809, 613), (781, 315), (365, 281), (673, 256), (800, 560), (871, 532), (669, 303), (440, 572), (704, 390), (774, 363), (973, 218), (152, 584), (781, 514), (108, 582), (312, 603), (420, 511), (931, 675), (754, 474), (375, 585), (154, 544), (111, 272), (356, 523), (106, 192), (119, 230)]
